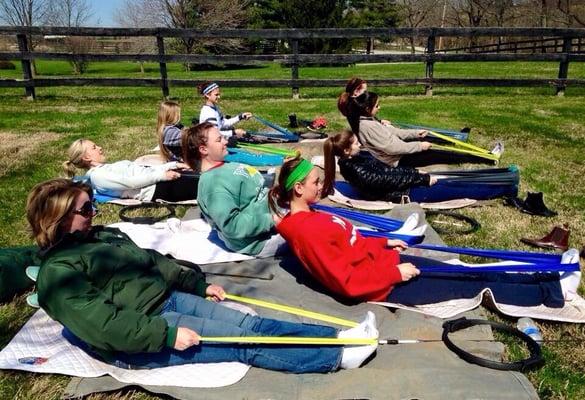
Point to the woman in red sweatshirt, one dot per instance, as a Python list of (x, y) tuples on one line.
[(372, 269)]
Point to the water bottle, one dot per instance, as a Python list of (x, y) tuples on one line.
[(528, 326)]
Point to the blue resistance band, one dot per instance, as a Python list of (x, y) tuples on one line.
[(410, 240), (376, 221), (284, 131), (502, 268)]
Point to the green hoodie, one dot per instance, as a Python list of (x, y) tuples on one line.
[(234, 201), (109, 292)]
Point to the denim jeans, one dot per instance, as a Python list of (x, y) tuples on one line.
[(211, 319), (525, 290)]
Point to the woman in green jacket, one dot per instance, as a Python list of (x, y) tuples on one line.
[(135, 308)]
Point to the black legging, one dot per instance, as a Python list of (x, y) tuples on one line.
[(184, 188), (430, 157)]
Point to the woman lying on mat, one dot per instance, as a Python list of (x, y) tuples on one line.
[(130, 180), (210, 112), (232, 196), (375, 179), (388, 144), (135, 308), (372, 269)]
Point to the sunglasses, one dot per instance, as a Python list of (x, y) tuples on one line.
[(87, 210)]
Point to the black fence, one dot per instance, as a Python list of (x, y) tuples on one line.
[(294, 58)]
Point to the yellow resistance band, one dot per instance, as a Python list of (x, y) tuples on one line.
[(293, 310), (290, 340), (488, 156), (459, 143)]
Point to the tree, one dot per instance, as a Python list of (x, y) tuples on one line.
[(371, 13), (139, 14), (26, 13), (415, 13), (73, 14)]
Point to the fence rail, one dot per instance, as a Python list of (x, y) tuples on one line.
[(294, 59)]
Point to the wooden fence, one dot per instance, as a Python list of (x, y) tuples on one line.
[(294, 59)]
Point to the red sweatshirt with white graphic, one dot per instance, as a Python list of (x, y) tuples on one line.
[(339, 257)]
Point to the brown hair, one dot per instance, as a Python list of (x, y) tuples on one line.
[(169, 113), (48, 206), (361, 106), (334, 146), (192, 138), (343, 100), (75, 160), (279, 197)]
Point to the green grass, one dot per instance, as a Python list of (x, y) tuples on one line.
[(544, 136)]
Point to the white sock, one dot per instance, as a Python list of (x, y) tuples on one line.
[(354, 356), (570, 280)]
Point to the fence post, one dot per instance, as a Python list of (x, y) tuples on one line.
[(430, 65), (163, 66), (564, 66), (26, 67), (295, 68)]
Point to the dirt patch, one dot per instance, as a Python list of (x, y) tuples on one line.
[(15, 149)]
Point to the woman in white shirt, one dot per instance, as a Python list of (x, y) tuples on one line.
[(130, 180), (210, 112)]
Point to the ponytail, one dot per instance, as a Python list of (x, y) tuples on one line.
[(334, 146), (329, 164), (69, 168), (342, 103), (75, 153), (278, 196)]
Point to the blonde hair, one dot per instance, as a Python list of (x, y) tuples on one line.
[(75, 160), (169, 113), (48, 206)]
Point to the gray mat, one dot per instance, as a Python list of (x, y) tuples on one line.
[(422, 371)]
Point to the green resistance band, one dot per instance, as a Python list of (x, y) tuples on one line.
[(269, 149), (318, 341), (459, 142), (293, 310)]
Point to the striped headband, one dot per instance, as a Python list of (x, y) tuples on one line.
[(209, 87), (299, 173)]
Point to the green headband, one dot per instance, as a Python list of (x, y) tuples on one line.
[(299, 173)]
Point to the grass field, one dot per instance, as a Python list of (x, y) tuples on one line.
[(544, 135)]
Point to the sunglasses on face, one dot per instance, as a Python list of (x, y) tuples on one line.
[(88, 209)]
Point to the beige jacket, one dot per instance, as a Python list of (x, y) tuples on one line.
[(386, 143)]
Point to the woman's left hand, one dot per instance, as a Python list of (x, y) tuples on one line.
[(216, 292), (397, 244), (422, 134), (183, 166), (246, 115), (385, 122)]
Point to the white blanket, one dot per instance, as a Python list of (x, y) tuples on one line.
[(41, 338), (573, 311), (184, 240)]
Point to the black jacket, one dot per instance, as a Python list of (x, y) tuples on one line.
[(377, 180)]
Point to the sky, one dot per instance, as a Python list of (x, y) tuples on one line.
[(104, 11)]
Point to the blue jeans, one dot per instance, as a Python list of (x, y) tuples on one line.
[(211, 319), (525, 290)]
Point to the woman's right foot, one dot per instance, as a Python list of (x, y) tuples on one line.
[(354, 356)]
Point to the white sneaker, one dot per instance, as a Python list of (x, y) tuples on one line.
[(498, 149)]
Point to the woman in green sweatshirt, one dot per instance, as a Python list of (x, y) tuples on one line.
[(232, 196), (135, 308)]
